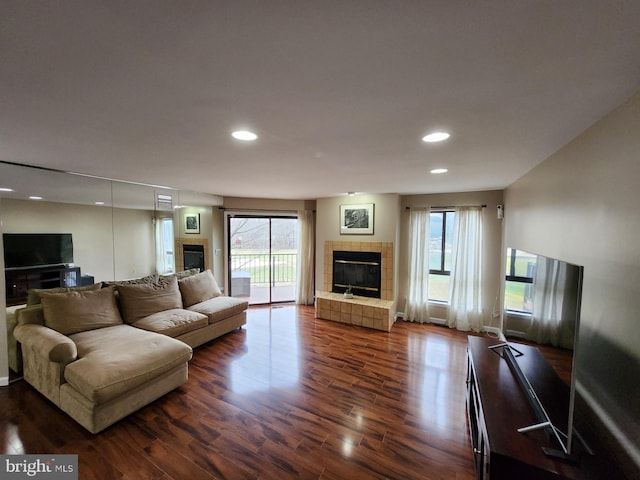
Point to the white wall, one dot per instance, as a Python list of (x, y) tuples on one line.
[(582, 205), (133, 244), (386, 225), (492, 247)]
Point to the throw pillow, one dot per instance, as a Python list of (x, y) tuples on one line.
[(182, 274), (78, 311), (198, 288), (139, 301), (33, 294), (153, 278)]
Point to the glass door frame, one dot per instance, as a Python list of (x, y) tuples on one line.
[(229, 216)]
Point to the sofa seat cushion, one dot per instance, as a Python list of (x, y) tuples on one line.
[(114, 360), (173, 322), (219, 308)]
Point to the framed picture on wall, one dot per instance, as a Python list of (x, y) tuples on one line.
[(356, 219), (192, 223)]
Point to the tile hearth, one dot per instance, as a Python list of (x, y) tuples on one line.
[(377, 313), (361, 311)]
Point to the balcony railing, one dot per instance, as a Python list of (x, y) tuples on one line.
[(264, 269)]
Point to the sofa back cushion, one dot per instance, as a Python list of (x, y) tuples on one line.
[(33, 294), (198, 288), (80, 310), (153, 278), (139, 301), (182, 274)]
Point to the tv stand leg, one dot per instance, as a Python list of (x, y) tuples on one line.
[(537, 426), (555, 453)]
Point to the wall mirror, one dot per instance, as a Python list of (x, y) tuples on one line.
[(114, 225)]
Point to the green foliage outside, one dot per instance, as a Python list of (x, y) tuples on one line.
[(514, 295), (439, 287), (258, 264)]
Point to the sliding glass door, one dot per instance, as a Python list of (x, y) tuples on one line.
[(262, 258)]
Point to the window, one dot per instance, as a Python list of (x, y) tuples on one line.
[(520, 270), (165, 261), (440, 248)]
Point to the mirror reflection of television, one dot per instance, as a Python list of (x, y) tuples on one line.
[(542, 307), (25, 250)]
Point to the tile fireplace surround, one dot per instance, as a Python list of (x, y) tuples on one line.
[(375, 313)]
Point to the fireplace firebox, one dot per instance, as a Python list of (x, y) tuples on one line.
[(359, 270), (193, 256)]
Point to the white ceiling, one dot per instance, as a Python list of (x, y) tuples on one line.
[(339, 92)]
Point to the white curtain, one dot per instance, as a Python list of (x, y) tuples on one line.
[(305, 265), (551, 301), (418, 301), (165, 257), (465, 292)]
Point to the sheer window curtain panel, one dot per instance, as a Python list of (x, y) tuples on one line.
[(163, 266), (305, 291), (418, 301), (551, 302), (465, 294)]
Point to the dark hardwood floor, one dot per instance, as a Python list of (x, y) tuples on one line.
[(288, 396)]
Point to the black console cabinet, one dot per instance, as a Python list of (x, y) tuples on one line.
[(497, 407), (19, 281)]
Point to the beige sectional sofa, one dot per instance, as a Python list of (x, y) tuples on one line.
[(102, 352)]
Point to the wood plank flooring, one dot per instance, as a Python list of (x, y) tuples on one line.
[(288, 396)]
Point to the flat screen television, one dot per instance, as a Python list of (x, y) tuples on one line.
[(23, 250), (542, 307)]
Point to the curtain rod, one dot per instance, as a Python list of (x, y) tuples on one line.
[(249, 210), (484, 205)]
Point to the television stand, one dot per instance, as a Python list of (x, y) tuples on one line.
[(497, 407), (20, 280)]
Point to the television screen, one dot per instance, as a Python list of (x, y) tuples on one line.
[(37, 249), (542, 307)]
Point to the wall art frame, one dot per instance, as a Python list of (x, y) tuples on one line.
[(357, 219), (191, 223)]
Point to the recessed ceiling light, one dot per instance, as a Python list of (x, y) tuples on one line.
[(351, 194), (435, 137), (2, 189), (35, 197), (244, 135), (439, 170), (99, 203)]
